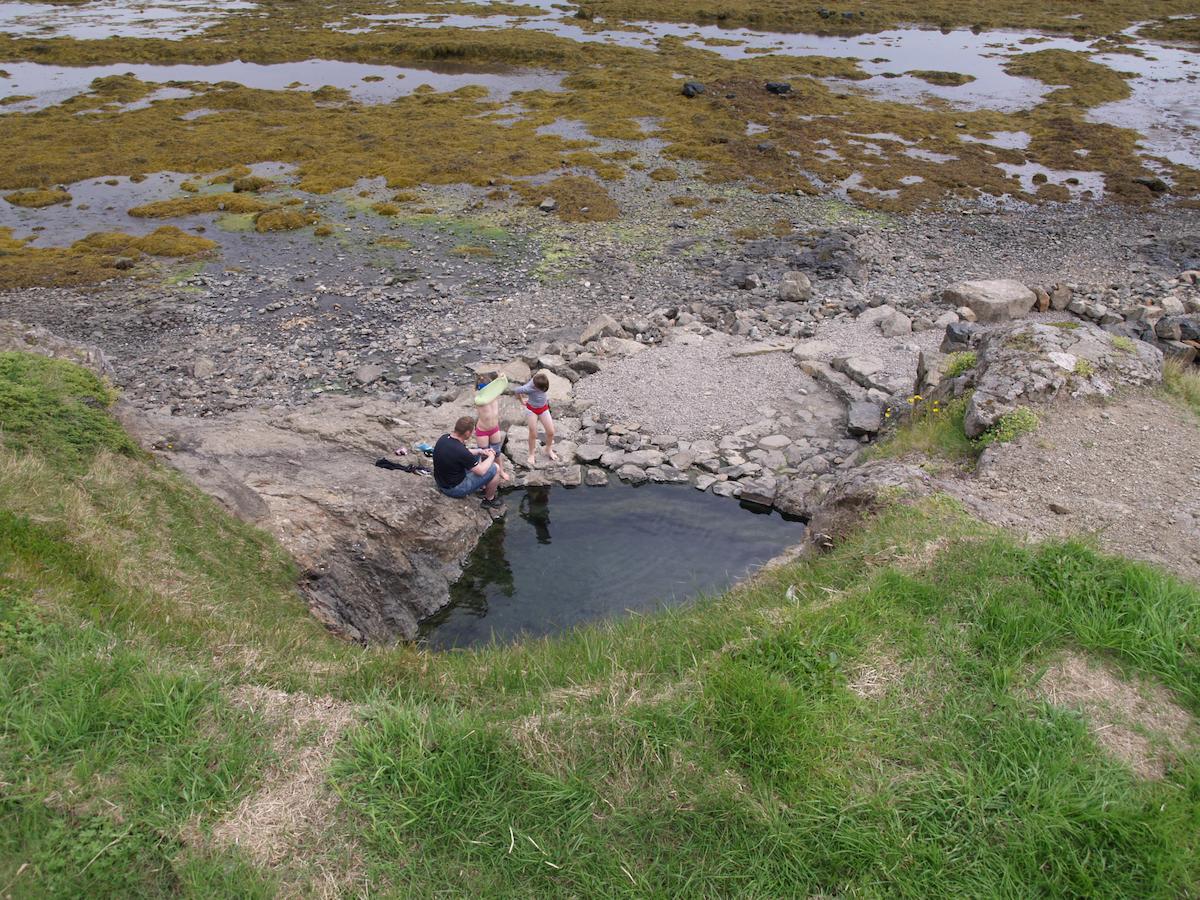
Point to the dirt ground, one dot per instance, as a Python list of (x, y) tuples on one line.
[(1126, 471)]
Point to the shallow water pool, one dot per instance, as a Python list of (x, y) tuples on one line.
[(565, 556)]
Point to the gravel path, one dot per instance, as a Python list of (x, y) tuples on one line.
[(701, 390)]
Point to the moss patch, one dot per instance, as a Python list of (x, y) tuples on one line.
[(283, 220), (97, 257), (37, 198), (205, 203), (946, 79), (577, 199)]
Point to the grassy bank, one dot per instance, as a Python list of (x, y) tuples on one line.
[(889, 719)]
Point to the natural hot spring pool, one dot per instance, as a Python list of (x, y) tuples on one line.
[(562, 556)]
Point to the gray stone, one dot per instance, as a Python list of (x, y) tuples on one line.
[(991, 301), (862, 369), (590, 453), (202, 367), (864, 418), (795, 287), (759, 490), (632, 474), (1060, 296), (807, 350), (774, 441), (570, 476), (895, 325), (683, 459), (369, 373), (601, 327), (726, 488), (1172, 306), (645, 458), (595, 477)]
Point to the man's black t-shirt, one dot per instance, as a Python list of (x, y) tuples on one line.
[(451, 461)]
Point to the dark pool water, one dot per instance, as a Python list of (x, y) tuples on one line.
[(563, 556)]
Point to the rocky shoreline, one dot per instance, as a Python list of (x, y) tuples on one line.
[(759, 373)]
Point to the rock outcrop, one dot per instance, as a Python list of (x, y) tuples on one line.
[(378, 549), (1029, 363)]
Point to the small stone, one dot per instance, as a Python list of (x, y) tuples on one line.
[(203, 367), (795, 287), (369, 373)]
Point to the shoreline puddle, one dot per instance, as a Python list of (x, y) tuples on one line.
[(165, 19), (48, 85)]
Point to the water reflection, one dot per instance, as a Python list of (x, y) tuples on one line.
[(610, 550), (535, 509)]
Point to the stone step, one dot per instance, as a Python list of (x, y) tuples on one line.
[(841, 386)]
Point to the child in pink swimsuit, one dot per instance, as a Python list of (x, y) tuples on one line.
[(487, 428)]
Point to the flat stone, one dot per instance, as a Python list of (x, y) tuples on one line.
[(590, 453), (774, 442), (612, 459), (862, 369), (759, 490), (813, 350), (764, 347), (645, 458), (992, 301)]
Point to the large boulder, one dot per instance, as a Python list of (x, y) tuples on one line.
[(991, 301), (377, 549), (1028, 363)]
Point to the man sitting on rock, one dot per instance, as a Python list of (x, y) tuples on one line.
[(458, 470)]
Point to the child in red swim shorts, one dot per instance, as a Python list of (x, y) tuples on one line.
[(537, 406)]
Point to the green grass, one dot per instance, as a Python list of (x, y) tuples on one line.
[(857, 724), (1182, 384), (56, 410), (934, 431)]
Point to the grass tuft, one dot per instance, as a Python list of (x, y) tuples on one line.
[(1181, 382)]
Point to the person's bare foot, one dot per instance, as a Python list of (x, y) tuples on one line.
[(552, 455)]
